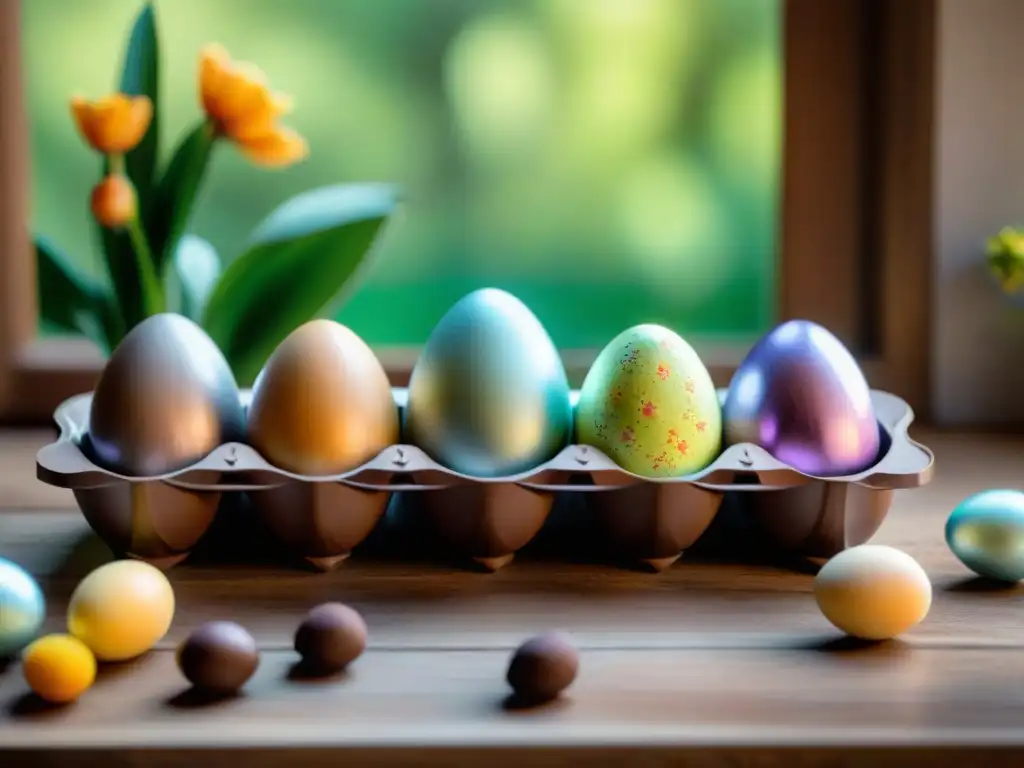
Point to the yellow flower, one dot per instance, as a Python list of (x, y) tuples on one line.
[(115, 124), (113, 201), (237, 99)]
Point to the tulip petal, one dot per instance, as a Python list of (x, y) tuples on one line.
[(213, 61), (257, 117), (275, 149), (113, 124), (236, 97), (82, 112)]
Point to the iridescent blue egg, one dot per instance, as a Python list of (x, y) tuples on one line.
[(801, 396), (489, 396), (986, 533), (22, 608)]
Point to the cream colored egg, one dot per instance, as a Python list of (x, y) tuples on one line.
[(873, 592), (121, 609), (322, 404)]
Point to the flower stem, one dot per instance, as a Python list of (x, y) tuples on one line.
[(115, 164), (152, 291)]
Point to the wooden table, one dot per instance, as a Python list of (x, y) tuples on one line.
[(704, 664)]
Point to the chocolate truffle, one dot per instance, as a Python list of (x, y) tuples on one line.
[(330, 638), (219, 657), (543, 667)]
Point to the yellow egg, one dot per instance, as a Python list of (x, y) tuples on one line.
[(873, 592), (121, 610), (59, 668), (322, 404)]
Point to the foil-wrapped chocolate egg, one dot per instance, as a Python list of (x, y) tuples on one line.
[(166, 398), (801, 396), (986, 533), (322, 403), (649, 403), (22, 608), (488, 396)]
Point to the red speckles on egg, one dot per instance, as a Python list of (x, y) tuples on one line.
[(664, 371), (701, 426), (648, 409), (627, 436)]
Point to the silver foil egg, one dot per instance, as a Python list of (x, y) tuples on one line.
[(986, 533), (22, 608), (166, 398), (801, 396), (488, 396)]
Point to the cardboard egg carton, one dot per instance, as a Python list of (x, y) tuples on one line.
[(652, 520)]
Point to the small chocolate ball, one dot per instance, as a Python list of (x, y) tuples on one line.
[(543, 667), (219, 657), (330, 638)]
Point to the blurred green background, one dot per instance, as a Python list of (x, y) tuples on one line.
[(609, 161)]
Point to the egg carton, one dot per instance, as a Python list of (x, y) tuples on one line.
[(322, 519)]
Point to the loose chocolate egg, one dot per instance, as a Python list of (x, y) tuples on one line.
[(166, 398), (330, 638), (649, 403), (219, 657), (986, 532), (322, 403), (489, 396), (801, 396), (543, 667), (873, 592)]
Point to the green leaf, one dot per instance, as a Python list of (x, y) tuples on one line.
[(124, 275), (140, 77), (196, 267), (177, 191), (71, 301), (300, 262)]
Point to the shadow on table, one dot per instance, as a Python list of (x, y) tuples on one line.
[(982, 585), (29, 706), (196, 698)]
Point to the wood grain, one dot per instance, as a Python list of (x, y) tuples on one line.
[(708, 663)]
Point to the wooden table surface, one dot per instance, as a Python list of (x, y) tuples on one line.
[(708, 663)]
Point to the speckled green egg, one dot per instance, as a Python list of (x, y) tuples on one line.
[(649, 403)]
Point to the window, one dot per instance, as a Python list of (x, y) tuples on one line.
[(715, 166)]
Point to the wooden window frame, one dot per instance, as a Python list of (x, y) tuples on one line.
[(855, 247)]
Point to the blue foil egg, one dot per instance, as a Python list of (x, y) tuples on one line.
[(801, 396), (22, 608), (489, 396), (986, 533)]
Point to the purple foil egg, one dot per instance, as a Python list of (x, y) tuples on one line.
[(801, 396)]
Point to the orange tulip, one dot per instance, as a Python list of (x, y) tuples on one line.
[(115, 124), (238, 101), (113, 201)]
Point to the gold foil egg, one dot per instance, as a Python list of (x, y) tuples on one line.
[(322, 404), (166, 398)]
